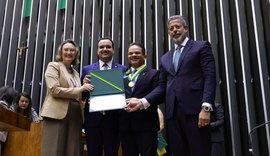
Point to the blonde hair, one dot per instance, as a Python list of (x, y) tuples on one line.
[(58, 56)]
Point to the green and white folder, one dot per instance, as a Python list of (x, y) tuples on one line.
[(109, 91)]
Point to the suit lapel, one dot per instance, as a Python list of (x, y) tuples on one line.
[(128, 89), (184, 53), (64, 70), (77, 77), (114, 65), (168, 59), (137, 84), (140, 79), (96, 66)]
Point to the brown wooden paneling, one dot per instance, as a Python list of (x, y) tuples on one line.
[(29, 143), (12, 121), (24, 143)]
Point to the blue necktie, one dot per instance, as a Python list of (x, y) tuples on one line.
[(134, 81), (176, 57), (133, 72)]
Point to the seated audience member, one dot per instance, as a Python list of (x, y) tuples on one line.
[(7, 95), (23, 105)]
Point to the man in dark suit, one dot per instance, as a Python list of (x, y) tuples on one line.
[(102, 128), (188, 81), (138, 130)]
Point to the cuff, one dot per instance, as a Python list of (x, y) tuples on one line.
[(145, 103), (207, 105)]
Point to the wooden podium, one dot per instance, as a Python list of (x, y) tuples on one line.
[(21, 140), (24, 143), (12, 121)]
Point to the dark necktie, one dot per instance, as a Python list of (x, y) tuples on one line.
[(176, 57), (105, 66)]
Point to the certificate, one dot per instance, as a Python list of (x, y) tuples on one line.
[(109, 92)]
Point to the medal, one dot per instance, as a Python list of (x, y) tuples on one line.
[(131, 84), (132, 76)]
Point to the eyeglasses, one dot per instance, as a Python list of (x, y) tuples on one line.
[(72, 50)]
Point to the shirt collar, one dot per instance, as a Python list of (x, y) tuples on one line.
[(101, 63), (132, 68), (183, 43)]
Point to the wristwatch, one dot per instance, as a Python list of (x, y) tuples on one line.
[(207, 108)]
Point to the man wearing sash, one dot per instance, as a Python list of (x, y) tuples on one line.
[(138, 130), (188, 81)]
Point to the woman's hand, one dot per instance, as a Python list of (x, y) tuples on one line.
[(87, 79), (87, 87), (83, 103)]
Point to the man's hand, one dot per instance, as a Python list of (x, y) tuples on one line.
[(204, 118), (133, 104)]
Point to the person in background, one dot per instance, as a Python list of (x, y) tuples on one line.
[(7, 95), (217, 131), (162, 143), (138, 129), (188, 81), (23, 105), (62, 107), (101, 128), (3, 138), (161, 120)]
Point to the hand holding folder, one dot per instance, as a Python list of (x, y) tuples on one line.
[(109, 92)]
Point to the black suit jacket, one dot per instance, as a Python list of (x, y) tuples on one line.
[(141, 120)]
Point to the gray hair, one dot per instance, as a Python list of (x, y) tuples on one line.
[(179, 17)]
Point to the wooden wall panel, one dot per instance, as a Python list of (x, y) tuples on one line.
[(24, 143)]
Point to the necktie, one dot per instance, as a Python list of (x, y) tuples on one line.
[(176, 57), (133, 72), (105, 66), (134, 80)]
